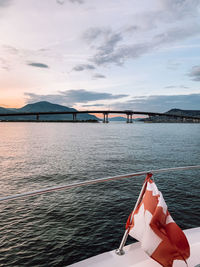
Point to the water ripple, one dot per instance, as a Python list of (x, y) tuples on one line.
[(60, 228)]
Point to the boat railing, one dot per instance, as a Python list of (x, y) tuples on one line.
[(120, 250), (94, 181)]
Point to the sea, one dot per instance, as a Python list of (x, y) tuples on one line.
[(64, 227)]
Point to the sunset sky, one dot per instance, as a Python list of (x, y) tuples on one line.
[(94, 54)]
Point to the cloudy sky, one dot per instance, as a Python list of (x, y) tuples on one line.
[(90, 54)]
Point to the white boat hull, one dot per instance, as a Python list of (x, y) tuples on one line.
[(135, 256)]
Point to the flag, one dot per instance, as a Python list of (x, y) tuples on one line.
[(151, 224)]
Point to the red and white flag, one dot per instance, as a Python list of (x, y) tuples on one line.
[(151, 224)]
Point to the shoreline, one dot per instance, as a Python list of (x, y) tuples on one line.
[(78, 121)]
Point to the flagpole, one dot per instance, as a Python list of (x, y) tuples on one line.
[(120, 250)]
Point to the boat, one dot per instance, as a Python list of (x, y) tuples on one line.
[(134, 256), (131, 255)]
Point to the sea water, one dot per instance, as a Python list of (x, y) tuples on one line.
[(60, 228)]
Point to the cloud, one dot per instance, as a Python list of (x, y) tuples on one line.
[(38, 65), (170, 86), (175, 21), (122, 54), (99, 76), (104, 40), (195, 73), (176, 34), (109, 52), (61, 2), (93, 33), (93, 105), (153, 103), (161, 103), (82, 67), (132, 29), (4, 64), (77, 1), (10, 49), (176, 86), (72, 97), (5, 3), (180, 9), (170, 12)]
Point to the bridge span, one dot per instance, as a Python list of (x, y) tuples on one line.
[(128, 113)]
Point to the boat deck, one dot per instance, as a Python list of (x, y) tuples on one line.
[(135, 256)]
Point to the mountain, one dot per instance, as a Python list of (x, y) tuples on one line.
[(117, 119), (45, 106), (195, 113), (4, 110), (192, 113)]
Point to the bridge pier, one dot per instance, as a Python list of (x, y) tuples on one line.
[(195, 120), (105, 117), (129, 118), (74, 116)]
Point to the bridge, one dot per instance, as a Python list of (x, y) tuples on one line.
[(129, 114)]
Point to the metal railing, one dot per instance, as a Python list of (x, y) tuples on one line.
[(120, 250), (95, 181)]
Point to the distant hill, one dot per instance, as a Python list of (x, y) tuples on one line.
[(117, 119), (5, 110), (175, 111), (45, 106), (192, 113)]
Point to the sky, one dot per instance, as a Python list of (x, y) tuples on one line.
[(109, 54)]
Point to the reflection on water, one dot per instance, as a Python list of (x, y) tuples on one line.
[(57, 229)]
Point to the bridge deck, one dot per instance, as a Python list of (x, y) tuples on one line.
[(126, 112)]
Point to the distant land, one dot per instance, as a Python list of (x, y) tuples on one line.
[(117, 119), (45, 106), (192, 113)]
